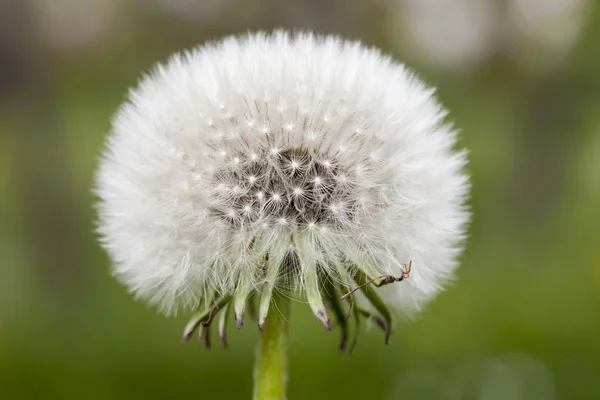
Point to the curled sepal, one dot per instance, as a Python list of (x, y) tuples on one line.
[(204, 317), (356, 313), (363, 283), (378, 320), (222, 325), (353, 311), (332, 298)]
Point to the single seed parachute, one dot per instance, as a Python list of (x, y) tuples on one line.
[(307, 165)]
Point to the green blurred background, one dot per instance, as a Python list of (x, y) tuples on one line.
[(522, 322)]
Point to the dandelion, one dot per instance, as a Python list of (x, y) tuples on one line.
[(269, 167)]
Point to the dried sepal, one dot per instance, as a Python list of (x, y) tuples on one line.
[(331, 295), (362, 281)]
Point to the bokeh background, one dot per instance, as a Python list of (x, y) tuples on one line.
[(522, 322)]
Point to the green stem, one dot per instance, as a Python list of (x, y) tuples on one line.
[(270, 372)]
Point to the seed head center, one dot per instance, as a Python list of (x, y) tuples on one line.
[(284, 187)]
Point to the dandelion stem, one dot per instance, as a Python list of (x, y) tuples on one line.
[(270, 371)]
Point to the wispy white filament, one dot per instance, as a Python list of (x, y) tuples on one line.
[(274, 147)]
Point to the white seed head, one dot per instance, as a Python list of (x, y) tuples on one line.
[(317, 149)]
